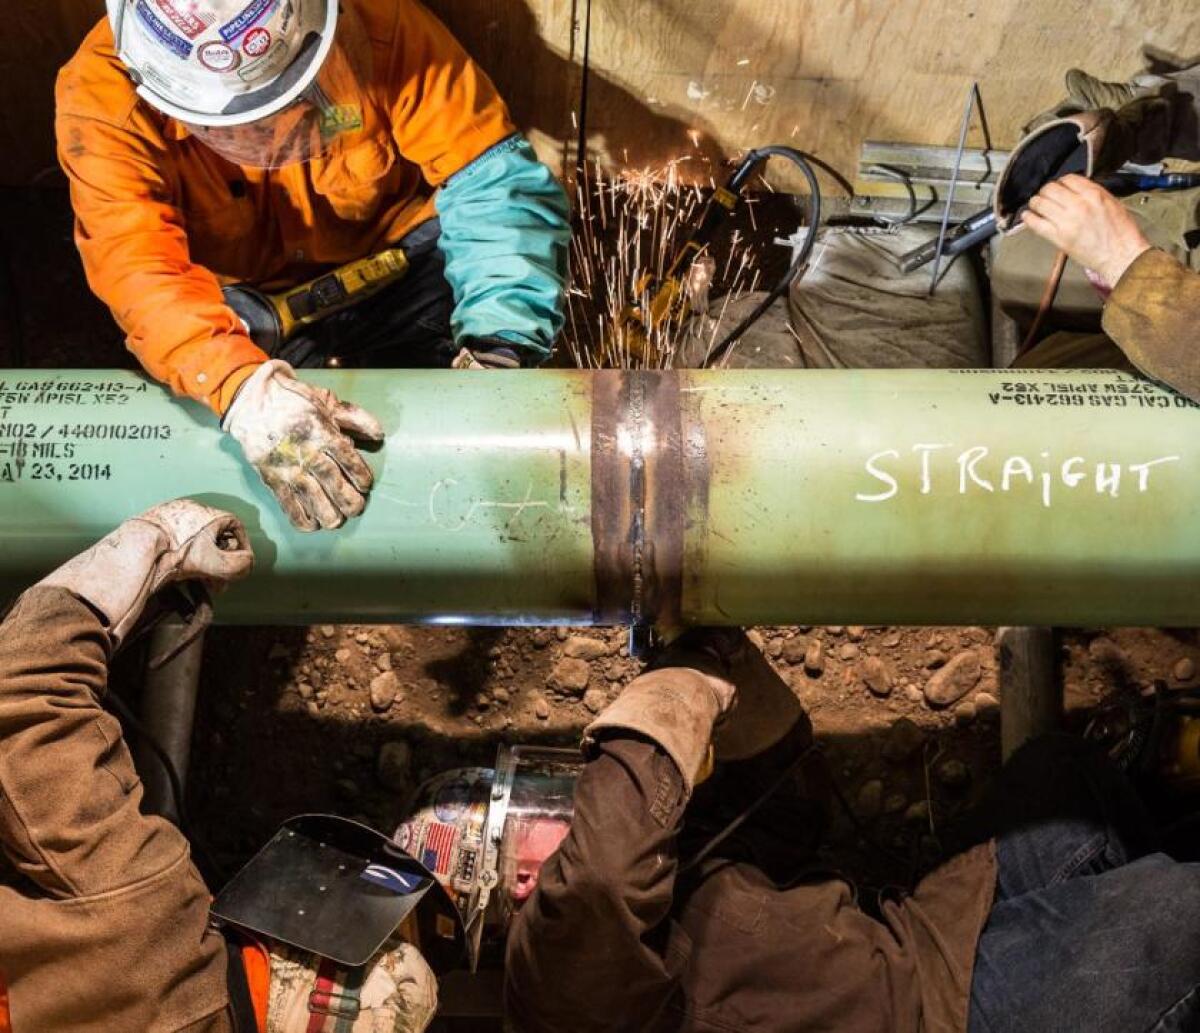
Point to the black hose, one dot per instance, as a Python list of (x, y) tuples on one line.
[(799, 263)]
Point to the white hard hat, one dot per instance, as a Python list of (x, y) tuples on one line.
[(222, 63)]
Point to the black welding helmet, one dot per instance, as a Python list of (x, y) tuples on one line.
[(1074, 145), (340, 890)]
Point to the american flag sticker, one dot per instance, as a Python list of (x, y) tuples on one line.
[(438, 851)]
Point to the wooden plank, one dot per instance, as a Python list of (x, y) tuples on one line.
[(705, 79), (827, 76)]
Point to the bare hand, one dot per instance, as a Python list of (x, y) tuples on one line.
[(1084, 220)]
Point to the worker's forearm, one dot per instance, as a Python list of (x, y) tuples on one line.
[(132, 240), (1153, 315), (69, 817), (176, 319), (504, 235), (590, 933)]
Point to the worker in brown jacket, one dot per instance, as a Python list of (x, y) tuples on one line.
[(652, 916), (105, 924)]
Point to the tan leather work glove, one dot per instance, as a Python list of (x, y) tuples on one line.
[(675, 707), (298, 439), (1087, 93), (173, 542)]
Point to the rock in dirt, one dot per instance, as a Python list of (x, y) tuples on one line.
[(342, 656), (935, 658), (1184, 669), (384, 688), (965, 713), (986, 705), (1105, 652), (952, 773), (814, 658), (328, 630), (384, 661), (917, 813), (856, 633), (848, 651), (571, 676), (500, 695), (869, 802), (541, 709), (595, 700), (904, 741), (305, 690), (892, 641), (955, 680), (876, 676), (394, 765), (913, 694), (894, 803), (583, 648), (794, 650)]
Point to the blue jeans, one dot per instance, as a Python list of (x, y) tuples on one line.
[(1091, 931)]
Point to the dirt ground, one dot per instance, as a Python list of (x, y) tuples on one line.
[(352, 718)]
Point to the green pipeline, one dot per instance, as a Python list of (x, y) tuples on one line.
[(747, 497)]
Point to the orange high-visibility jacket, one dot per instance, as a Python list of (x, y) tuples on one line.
[(162, 222)]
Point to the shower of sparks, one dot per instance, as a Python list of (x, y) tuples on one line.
[(629, 225)]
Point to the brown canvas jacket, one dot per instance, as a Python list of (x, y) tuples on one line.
[(106, 928), (1153, 316)]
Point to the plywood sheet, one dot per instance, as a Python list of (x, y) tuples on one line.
[(825, 75), (704, 79)]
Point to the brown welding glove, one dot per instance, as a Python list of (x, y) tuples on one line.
[(711, 694), (765, 710), (675, 707)]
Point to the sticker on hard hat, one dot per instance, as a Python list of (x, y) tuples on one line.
[(188, 22), (258, 67), (256, 43), (250, 15), (219, 57), (162, 31)]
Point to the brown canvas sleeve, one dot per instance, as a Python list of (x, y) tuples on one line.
[(1153, 315), (588, 951), (111, 905)]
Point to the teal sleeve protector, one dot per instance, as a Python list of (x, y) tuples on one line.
[(504, 236)]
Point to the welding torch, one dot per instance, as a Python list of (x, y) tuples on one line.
[(981, 226)]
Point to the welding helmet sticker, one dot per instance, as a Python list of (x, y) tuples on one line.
[(484, 833)]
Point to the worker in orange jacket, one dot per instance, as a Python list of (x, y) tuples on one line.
[(266, 142)]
